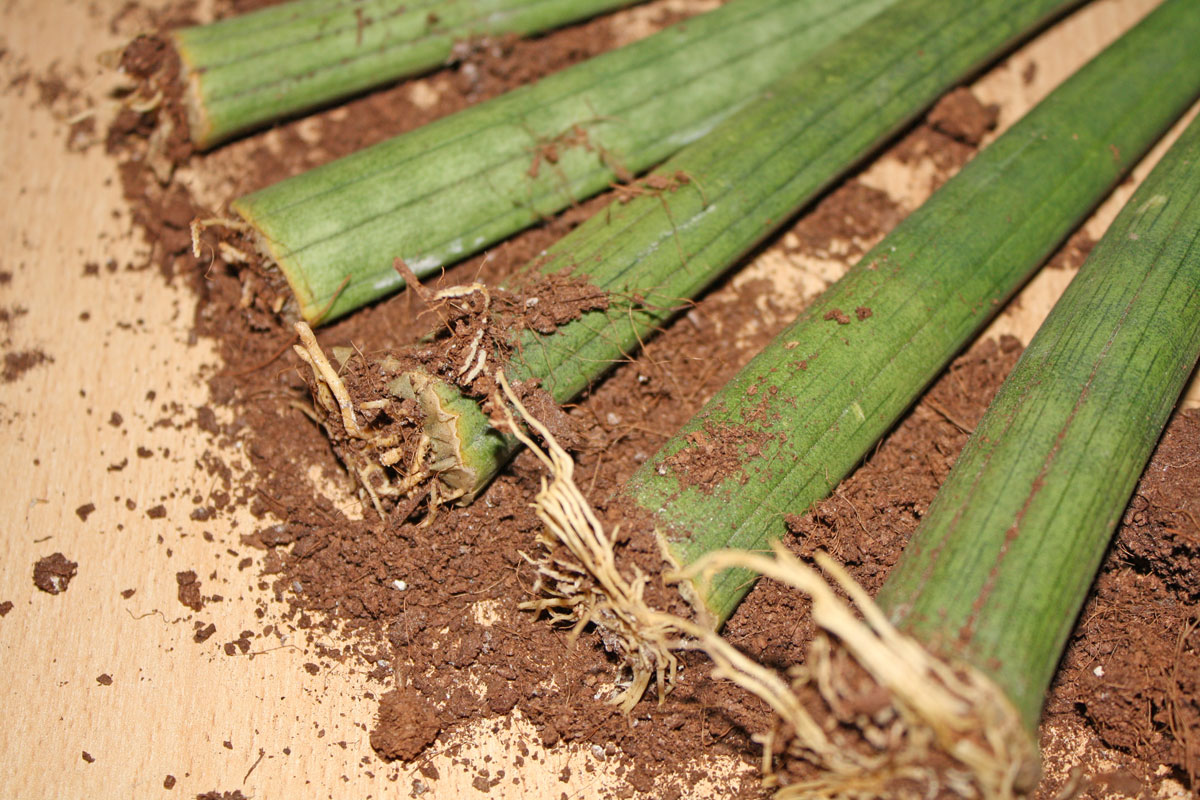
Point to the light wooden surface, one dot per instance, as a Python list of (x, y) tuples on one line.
[(176, 707)]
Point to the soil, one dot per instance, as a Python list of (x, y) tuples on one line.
[(53, 573), (429, 610), (407, 724)]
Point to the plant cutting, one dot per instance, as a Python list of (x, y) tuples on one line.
[(803, 412), (966, 632), (451, 188), (638, 261), (244, 72)]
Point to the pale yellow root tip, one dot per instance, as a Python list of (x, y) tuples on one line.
[(578, 575)]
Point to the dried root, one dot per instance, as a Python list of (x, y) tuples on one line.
[(367, 463), (920, 728), (374, 454), (578, 579)]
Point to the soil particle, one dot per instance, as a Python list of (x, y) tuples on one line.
[(204, 633), (189, 590), (18, 363), (962, 117), (236, 794), (836, 314), (407, 724), (1072, 254), (88, 757), (104, 679), (144, 56), (944, 138), (845, 223), (84, 510), (53, 573), (169, 782), (6, 607)]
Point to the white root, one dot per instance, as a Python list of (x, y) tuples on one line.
[(585, 586), (310, 352), (932, 708)]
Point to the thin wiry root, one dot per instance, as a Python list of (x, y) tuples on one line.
[(583, 584), (932, 708)]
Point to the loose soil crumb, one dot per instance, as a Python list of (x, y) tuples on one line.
[(84, 510), (53, 573), (189, 590), (104, 679), (18, 363), (962, 117), (845, 223), (6, 607), (407, 724), (949, 135)]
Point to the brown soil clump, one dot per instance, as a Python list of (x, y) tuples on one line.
[(950, 134), (962, 117), (18, 363), (189, 590), (53, 573), (407, 725)]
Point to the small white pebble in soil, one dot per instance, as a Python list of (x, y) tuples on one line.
[(1098, 672), (531, 302), (613, 419), (399, 585)]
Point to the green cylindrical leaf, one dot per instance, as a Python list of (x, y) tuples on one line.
[(718, 198), (449, 189), (805, 411), (252, 69), (1002, 562)]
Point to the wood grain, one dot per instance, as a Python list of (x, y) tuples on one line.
[(259, 722)]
